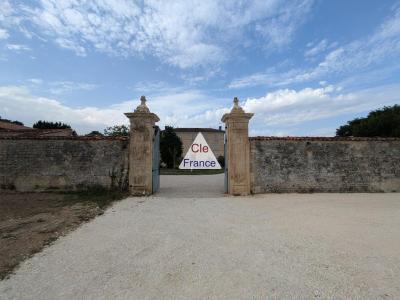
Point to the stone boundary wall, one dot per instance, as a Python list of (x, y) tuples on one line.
[(309, 164), (63, 163)]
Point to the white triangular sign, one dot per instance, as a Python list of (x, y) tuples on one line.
[(199, 156)]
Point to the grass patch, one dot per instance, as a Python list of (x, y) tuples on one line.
[(190, 172), (103, 197)]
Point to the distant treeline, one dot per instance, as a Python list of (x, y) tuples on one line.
[(9, 121)]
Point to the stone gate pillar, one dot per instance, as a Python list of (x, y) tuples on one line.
[(142, 123), (238, 149)]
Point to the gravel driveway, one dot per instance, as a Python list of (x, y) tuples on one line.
[(192, 242)]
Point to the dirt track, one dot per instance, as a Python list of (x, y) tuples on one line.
[(206, 245), (30, 221)]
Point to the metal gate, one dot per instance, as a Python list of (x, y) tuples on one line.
[(156, 160), (226, 181)]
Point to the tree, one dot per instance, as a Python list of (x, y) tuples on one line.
[(13, 122), (221, 160), (50, 125), (384, 122), (170, 147), (117, 130), (94, 133)]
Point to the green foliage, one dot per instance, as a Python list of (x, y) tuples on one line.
[(95, 133), (383, 122), (221, 160), (170, 147), (13, 122), (50, 125), (117, 130)]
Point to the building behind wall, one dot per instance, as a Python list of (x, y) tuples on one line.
[(214, 138), (8, 129)]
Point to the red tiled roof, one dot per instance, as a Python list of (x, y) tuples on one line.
[(12, 126), (32, 132), (316, 138), (78, 138)]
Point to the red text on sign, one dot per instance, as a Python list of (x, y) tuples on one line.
[(199, 148)]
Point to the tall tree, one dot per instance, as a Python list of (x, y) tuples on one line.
[(170, 147), (384, 122), (117, 130)]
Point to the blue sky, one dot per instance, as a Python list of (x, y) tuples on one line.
[(304, 67)]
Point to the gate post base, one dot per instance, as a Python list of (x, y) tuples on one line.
[(142, 123)]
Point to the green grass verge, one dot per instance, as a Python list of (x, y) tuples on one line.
[(101, 196), (190, 172)]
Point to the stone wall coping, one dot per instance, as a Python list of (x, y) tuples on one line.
[(315, 138), (197, 129), (77, 138)]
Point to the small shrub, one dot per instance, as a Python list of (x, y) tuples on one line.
[(221, 160)]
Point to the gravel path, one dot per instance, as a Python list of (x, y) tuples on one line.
[(192, 242)]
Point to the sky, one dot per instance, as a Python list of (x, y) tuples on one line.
[(303, 67)]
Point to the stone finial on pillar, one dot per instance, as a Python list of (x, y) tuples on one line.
[(142, 107), (236, 107), (142, 123), (238, 149)]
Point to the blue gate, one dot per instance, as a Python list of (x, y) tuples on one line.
[(156, 160)]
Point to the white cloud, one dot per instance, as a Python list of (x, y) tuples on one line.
[(321, 47), (3, 34), (183, 33), (6, 11), (153, 87), (379, 48), (61, 87), (17, 47), (283, 110), (35, 81), (9, 17), (277, 113), (71, 45), (185, 108), (272, 77), (19, 103), (292, 15)]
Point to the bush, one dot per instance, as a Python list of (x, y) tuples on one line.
[(117, 130), (170, 147), (221, 160), (95, 133)]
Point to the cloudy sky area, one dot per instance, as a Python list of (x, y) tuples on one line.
[(304, 67)]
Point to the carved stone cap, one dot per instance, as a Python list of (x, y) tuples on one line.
[(142, 107), (236, 112), (236, 107), (142, 111)]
